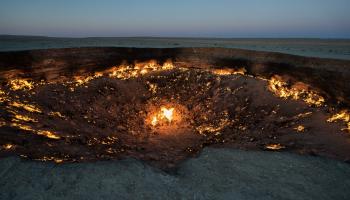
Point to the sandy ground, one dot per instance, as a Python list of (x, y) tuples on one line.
[(215, 174)]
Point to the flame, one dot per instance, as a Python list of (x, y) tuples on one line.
[(274, 146), (138, 69), (27, 107), (217, 125), (18, 118), (123, 72), (213, 128), (152, 87), (303, 115), (300, 128), (21, 84), (168, 113), (3, 96), (144, 71), (2, 123), (8, 146), (344, 116), (58, 160), (80, 80), (50, 158), (22, 127), (164, 115), (48, 134), (105, 141), (281, 89), (226, 71), (154, 121), (56, 114), (44, 133)]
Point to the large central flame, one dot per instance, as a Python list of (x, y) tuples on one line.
[(165, 115)]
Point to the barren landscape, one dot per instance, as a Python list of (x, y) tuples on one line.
[(165, 105)]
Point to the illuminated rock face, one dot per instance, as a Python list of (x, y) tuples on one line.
[(164, 112)]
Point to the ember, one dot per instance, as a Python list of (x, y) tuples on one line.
[(283, 90), (300, 128), (344, 116), (274, 147), (7, 146), (21, 84)]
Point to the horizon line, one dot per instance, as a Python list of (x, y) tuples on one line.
[(179, 37)]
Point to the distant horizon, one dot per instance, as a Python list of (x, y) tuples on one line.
[(180, 37), (323, 19)]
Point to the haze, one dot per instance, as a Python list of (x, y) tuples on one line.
[(181, 18)]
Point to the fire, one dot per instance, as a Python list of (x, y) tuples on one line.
[(344, 116), (225, 72), (213, 128), (138, 69), (282, 89), (274, 146), (56, 114), (152, 87), (48, 134), (18, 118), (51, 158), (123, 72), (81, 80), (27, 107), (7, 146), (3, 97), (168, 113), (22, 126), (300, 128), (21, 84), (154, 121), (164, 115)]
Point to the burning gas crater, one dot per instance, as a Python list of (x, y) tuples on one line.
[(161, 114)]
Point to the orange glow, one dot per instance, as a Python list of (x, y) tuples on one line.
[(168, 113), (226, 71), (154, 121), (8, 146), (297, 91), (126, 71), (274, 146), (344, 116), (164, 115), (21, 84), (27, 107), (300, 128), (48, 134), (81, 80)]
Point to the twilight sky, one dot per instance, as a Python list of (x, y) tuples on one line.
[(178, 18)]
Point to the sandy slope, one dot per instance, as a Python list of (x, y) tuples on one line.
[(216, 174)]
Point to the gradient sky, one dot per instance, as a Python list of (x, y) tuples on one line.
[(179, 18)]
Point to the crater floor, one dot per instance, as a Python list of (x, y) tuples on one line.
[(114, 114)]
